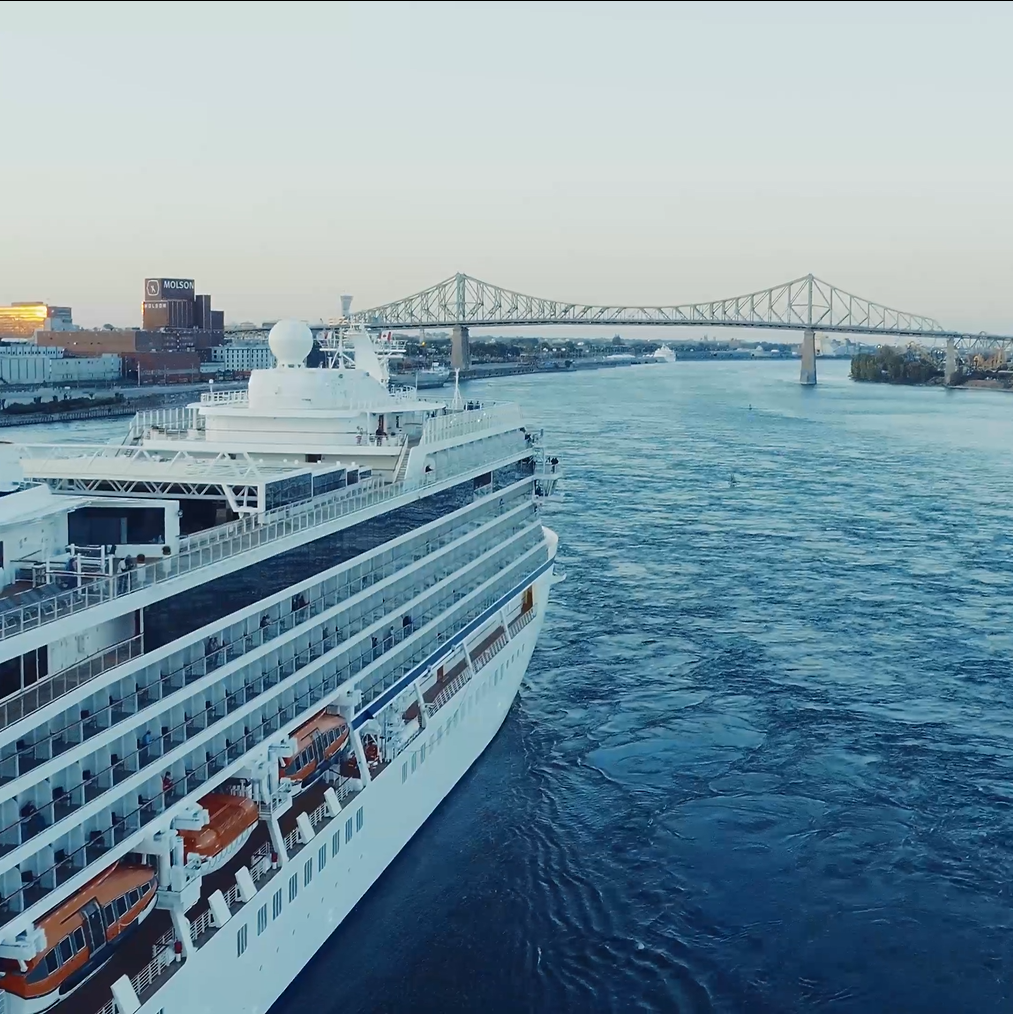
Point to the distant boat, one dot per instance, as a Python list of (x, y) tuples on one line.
[(665, 354), (435, 376)]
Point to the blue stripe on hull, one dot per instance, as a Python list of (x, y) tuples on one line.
[(388, 695)]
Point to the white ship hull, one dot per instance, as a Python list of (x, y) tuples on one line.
[(218, 978)]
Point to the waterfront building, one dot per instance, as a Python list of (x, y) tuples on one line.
[(35, 369), (22, 320), (243, 356), (175, 304)]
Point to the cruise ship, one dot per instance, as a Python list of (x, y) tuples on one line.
[(244, 654)]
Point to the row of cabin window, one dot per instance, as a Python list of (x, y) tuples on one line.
[(418, 757), (293, 881), (70, 945)]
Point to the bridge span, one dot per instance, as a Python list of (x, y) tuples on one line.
[(807, 304)]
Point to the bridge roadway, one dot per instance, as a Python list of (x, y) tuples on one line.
[(807, 304)]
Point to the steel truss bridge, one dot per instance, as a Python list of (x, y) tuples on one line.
[(803, 304)]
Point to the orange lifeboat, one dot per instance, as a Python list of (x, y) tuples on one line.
[(231, 820), (318, 742), (81, 935)]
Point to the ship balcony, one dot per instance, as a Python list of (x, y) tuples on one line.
[(328, 820), (122, 828), (274, 620), (235, 706), (26, 702), (488, 448), (208, 651)]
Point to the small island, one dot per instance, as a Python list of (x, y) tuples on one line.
[(914, 366), (888, 365)]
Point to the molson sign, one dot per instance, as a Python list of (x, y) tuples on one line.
[(168, 288)]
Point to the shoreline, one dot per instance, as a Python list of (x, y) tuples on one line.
[(972, 385), (483, 371)]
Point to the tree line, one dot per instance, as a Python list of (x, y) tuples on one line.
[(888, 365)]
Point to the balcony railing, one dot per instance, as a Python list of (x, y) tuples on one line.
[(471, 422), (209, 548), (260, 864), (49, 689), (521, 622), (437, 619)]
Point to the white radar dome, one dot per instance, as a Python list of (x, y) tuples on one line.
[(291, 342)]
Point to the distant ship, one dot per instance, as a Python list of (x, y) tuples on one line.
[(665, 354), (435, 376), (244, 655)]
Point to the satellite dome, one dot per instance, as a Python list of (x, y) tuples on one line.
[(291, 342)]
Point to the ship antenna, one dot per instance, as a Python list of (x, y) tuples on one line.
[(458, 403)]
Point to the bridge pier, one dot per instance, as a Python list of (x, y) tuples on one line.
[(951, 361), (460, 348), (808, 375)]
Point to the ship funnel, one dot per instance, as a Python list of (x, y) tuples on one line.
[(346, 307)]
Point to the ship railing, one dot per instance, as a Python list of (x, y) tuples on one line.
[(202, 923), (247, 534), (293, 840), (400, 395), (148, 975), (225, 397), (449, 690), (521, 622), (167, 939), (471, 421), (238, 537), (29, 700), (401, 465), (125, 824), (147, 755), (164, 422), (481, 660), (430, 644), (322, 640)]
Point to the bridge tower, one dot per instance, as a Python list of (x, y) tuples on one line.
[(808, 375), (460, 348), (951, 361)]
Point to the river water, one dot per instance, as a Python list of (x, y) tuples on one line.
[(763, 757)]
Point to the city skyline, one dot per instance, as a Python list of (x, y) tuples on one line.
[(626, 155)]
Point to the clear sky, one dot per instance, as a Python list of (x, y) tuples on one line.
[(633, 153)]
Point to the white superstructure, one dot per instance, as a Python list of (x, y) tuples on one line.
[(243, 656)]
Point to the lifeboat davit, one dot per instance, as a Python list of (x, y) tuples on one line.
[(81, 935), (318, 742), (231, 820)]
